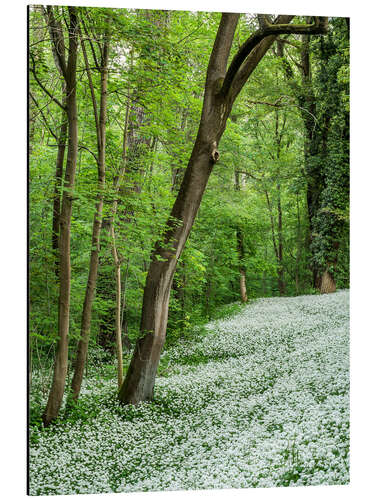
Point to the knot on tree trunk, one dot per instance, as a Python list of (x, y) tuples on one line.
[(214, 155)]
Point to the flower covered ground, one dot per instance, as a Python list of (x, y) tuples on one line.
[(261, 400)]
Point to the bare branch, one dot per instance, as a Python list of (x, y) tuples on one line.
[(43, 116), (276, 104), (32, 68), (89, 150)]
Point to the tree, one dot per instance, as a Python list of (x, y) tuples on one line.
[(240, 248), (221, 90), (331, 217), (61, 361), (100, 127)]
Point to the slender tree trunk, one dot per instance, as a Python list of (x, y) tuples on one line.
[(61, 361), (280, 272), (31, 116), (277, 246), (298, 254), (126, 344), (82, 348), (58, 50), (118, 325), (57, 189), (116, 259), (241, 250)]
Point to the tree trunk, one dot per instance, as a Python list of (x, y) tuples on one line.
[(240, 248), (312, 169), (116, 259), (118, 310), (328, 284), (139, 383), (61, 361), (221, 89), (280, 272), (82, 348), (57, 189), (298, 253), (58, 50)]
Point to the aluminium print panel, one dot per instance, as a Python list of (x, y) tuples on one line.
[(188, 250)]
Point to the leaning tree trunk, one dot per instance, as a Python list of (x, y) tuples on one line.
[(61, 361), (221, 89), (139, 383)]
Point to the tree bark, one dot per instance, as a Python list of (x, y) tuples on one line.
[(328, 284), (57, 189), (221, 89), (298, 253), (240, 249), (61, 361), (82, 348), (58, 50), (116, 259)]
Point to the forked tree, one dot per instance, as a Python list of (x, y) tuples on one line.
[(221, 90)]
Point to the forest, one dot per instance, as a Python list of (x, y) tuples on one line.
[(188, 207)]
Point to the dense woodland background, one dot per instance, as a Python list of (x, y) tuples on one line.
[(274, 219)]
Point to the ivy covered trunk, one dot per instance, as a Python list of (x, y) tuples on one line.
[(331, 218)]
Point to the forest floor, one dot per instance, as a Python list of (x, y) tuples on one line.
[(261, 400)]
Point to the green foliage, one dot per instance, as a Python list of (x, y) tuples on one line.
[(330, 224), (158, 62)]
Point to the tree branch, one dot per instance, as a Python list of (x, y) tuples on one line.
[(32, 68), (89, 150), (57, 39), (91, 86), (97, 67), (267, 31), (43, 116), (276, 104), (294, 44)]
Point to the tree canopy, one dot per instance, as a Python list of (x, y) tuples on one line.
[(124, 104)]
